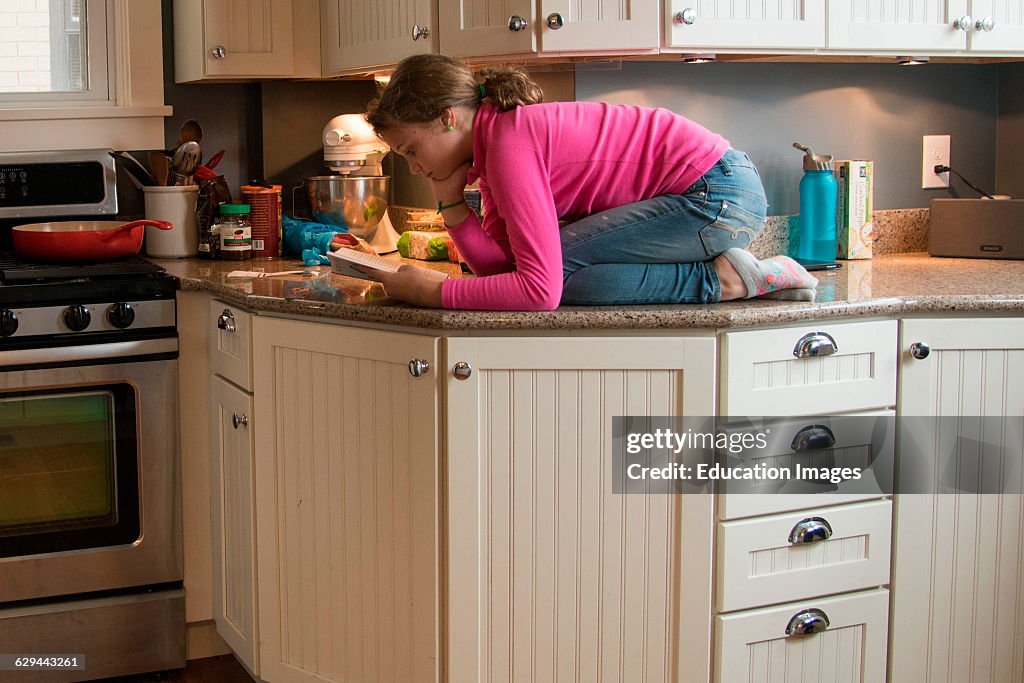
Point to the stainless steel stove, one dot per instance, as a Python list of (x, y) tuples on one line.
[(90, 518)]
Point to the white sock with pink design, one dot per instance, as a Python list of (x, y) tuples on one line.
[(779, 277)]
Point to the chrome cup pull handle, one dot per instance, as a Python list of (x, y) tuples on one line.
[(226, 321), (815, 345), (807, 622), (813, 438), (810, 530)]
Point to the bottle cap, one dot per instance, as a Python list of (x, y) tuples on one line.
[(814, 162), (234, 208)]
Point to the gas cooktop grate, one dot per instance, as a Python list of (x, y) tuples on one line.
[(12, 270)]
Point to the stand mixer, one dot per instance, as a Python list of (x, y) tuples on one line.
[(356, 198)]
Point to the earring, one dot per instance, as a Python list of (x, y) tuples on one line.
[(451, 127)]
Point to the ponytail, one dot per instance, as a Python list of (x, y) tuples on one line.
[(423, 87), (508, 87)]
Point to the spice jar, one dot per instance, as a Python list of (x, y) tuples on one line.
[(235, 232)]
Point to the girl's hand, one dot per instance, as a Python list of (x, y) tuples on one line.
[(449, 190), (411, 285)]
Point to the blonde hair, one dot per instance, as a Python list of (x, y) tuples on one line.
[(423, 87)]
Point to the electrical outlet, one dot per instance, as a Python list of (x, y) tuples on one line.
[(936, 151)]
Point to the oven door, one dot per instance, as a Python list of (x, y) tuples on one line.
[(89, 484)]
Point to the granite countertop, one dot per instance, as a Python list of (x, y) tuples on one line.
[(886, 285)]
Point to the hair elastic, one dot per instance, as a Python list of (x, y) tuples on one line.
[(483, 91)]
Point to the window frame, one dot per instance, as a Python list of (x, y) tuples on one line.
[(101, 77)]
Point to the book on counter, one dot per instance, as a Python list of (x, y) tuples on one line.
[(358, 264)]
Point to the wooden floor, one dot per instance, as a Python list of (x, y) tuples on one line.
[(223, 669)]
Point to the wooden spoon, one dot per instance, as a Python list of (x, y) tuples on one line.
[(190, 131), (159, 165)]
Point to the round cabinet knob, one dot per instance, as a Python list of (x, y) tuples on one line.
[(418, 367), (237, 419), (8, 322), (920, 350), (815, 345), (420, 32), (218, 52), (77, 317), (555, 21), (462, 370), (121, 315), (963, 23), (807, 622), (986, 24), (226, 321), (810, 530), (688, 16), (517, 23)]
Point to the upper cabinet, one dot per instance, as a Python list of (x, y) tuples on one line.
[(927, 26), (243, 39), (367, 33), (479, 28), (762, 25), (899, 24)]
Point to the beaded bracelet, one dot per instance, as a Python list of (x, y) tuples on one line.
[(441, 207)]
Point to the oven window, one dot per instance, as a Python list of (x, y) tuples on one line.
[(68, 469)]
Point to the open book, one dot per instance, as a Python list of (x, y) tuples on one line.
[(361, 265)]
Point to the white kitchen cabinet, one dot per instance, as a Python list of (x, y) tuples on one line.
[(814, 369), (361, 34), (597, 25), (481, 28), (763, 561), (998, 26), (245, 39), (753, 646), (701, 24), (477, 28), (551, 575), (958, 608), (905, 26), (233, 509), (347, 482)]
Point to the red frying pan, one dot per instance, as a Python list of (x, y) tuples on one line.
[(78, 241)]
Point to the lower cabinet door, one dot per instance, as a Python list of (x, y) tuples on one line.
[(846, 642), (233, 509), (347, 521)]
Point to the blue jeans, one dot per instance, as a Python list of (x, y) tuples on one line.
[(659, 250)]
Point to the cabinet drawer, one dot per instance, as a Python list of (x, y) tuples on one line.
[(752, 646), (774, 372), (864, 440), (231, 343), (758, 564)]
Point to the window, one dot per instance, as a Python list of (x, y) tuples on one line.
[(54, 51)]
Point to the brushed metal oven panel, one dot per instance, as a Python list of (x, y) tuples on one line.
[(157, 556)]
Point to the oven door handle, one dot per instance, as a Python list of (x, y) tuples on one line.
[(87, 352)]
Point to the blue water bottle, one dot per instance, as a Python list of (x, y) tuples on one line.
[(817, 207)]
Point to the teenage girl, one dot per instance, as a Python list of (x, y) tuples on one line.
[(654, 208)]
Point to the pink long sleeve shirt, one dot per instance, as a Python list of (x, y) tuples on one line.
[(544, 162)]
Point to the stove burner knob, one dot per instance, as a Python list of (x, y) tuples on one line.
[(121, 315), (77, 317), (8, 322)]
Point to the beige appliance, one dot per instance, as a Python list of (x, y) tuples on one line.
[(977, 228), (357, 193)]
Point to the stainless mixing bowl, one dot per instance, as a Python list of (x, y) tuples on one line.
[(355, 202)]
